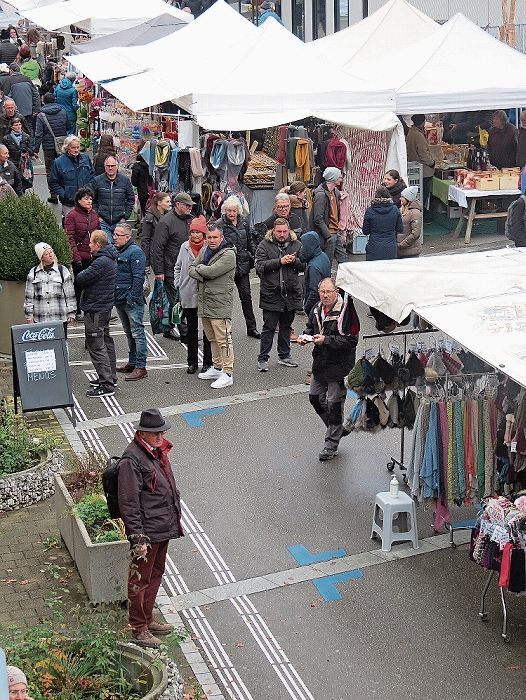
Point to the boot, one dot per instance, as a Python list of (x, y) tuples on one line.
[(138, 373), (126, 369)]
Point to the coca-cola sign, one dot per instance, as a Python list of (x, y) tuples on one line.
[(40, 334)]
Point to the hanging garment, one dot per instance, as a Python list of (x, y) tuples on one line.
[(236, 155), (197, 170), (292, 142), (303, 168), (184, 172), (336, 154), (282, 144)]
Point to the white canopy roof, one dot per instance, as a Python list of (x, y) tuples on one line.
[(100, 17), (477, 298)]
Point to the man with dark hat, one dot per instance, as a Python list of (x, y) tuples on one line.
[(150, 508), (418, 151)]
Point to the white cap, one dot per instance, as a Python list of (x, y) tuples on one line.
[(40, 249)]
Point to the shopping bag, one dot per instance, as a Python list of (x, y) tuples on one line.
[(177, 310), (159, 309)]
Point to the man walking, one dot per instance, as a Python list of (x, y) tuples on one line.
[(51, 122), (129, 301), (171, 232), (334, 327), (7, 112), (150, 508), (24, 93), (96, 301), (280, 294), (69, 172), (113, 197), (325, 217), (214, 269)]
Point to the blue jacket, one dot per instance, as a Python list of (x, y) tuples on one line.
[(68, 174), (265, 15), (318, 268), (66, 96), (114, 199), (131, 265), (58, 122), (381, 222), (98, 281)]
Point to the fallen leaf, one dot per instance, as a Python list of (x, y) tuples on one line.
[(26, 581), (8, 580), (239, 644)]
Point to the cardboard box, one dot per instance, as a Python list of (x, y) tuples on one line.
[(454, 212), (486, 184), (511, 171), (508, 182)]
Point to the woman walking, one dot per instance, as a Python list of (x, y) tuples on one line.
[(381, 222), (408, 242), (19, 146)]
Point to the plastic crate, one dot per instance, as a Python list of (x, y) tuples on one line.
[(358, 244)]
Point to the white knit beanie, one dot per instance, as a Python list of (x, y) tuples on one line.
[(40, 249), (410, 193), (15, 675)]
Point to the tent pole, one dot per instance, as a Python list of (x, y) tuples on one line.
[(365, 8)]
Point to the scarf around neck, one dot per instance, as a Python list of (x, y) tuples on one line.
[(196, 247), (209, 253)]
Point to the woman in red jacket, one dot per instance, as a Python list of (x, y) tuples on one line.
[(79, 224)]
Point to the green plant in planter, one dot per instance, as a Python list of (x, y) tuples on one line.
[(25, 221), (92, 509), (20, 448)]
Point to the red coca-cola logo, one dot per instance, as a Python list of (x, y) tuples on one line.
[(40, 334)]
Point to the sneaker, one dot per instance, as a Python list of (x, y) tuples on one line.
[(326, 454), (145, 639), (223, 381), (287, 362), (263, 366), (100, 390), (211, 373), (160, 628)]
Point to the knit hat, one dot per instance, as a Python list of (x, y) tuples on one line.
[(418, 119), (199, 224), (40, 249), (332, 174), (15, 675), (183, 198), (410, 193)]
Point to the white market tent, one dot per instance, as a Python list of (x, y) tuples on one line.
[(479, 299), (100, 17)]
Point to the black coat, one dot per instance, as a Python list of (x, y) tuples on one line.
[(297, 222), (8, 52), (241, 238), (148, 225), (333, 360), (58, 121), (280, 288), (98, 281), (11, 174), (170, 233), (141, 178), (16, 150), (5, 123), (114, 199), (321, 205)]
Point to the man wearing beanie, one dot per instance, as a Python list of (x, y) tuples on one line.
[(17, 683), (418, 152), (408, 242), (325, 216)]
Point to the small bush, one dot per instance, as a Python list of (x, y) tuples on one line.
[(92, 509), (19, 447), (25, 221)]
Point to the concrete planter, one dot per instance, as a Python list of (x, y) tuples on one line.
[(139, 663), (32, 485), (103, 567), (11, 311)]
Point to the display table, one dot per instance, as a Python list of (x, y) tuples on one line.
[(467, 199)]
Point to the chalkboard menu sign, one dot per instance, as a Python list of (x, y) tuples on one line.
[(40, 366)]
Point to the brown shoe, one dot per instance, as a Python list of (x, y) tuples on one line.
[(138, 373), (145, 639), (126, 369), (160, 628)]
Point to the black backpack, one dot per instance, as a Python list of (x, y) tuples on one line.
[(110, 483), (515, 227)]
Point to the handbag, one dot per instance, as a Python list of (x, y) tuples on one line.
[(177, 309), (59, 140)]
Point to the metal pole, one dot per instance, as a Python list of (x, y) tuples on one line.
[(365, 8)]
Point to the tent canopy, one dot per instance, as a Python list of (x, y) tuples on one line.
[(141, 34), (477, 298), (100, 17)]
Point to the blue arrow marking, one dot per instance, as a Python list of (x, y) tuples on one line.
[(303, 557), (327, 586), (194, 419)]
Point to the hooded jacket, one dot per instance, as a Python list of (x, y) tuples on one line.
[(280, 287), (68, 174), (113, 199), (319, 220), (58, 121), (418, 151), (31, 69), (408, 242), (66, 97), (98, 281), (381, 222), (215, 282), (241, 238), (170, 233), (318, 268), (79, 225), (131, 265), (24, 93)]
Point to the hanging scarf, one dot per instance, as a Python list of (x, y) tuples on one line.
[(303, 166), (196, 247)]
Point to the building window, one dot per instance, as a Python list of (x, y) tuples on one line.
[(298, 18), (319, 22), (341, 14)]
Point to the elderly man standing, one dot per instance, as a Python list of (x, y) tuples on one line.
[(325, 215), (129, 301), (24, 93), (333, 326), (280, 296), (113, 197), (214, 269), (283, 210), (8, 111), (69, 172), (150, 508), (9, 172)]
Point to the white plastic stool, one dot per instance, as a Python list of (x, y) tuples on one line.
[(388, 509)]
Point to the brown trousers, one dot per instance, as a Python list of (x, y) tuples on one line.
[(143, 583)]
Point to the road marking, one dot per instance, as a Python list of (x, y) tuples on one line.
[(327, 586), (302, 555), (197, 405), (194, 419)]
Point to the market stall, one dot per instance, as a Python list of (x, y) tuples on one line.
[(468, 199)]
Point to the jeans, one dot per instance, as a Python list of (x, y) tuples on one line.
[(101, 346), (143, 585), (108, 229), (193, 340), (270, 321), (49, 157), (328, 399), (334, 248), (245, 296), (132, 318)]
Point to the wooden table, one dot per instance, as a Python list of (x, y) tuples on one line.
[(467, 199)]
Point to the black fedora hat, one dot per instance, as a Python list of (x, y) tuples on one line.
[(151, 421)]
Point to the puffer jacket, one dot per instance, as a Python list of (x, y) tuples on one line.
[(58, 121), (66, 97), (215, 282), (170, 233), (319, 220), (79, 225), (8, 52), (318, 268), (148, 226), (131, 265), (31, 69), (241, 238), (113, 199), (187, 285), (280, 287), (381, 222), (98, 281), (68, 174), (408, 242), (149, 500)]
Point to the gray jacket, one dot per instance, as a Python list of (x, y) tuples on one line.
[(187, 285), (24, 93), (320, 212), (215, 292)]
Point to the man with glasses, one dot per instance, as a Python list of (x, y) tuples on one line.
[(333, 327), (283, 210), (171, 232), (150, 508), (113, 197)]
